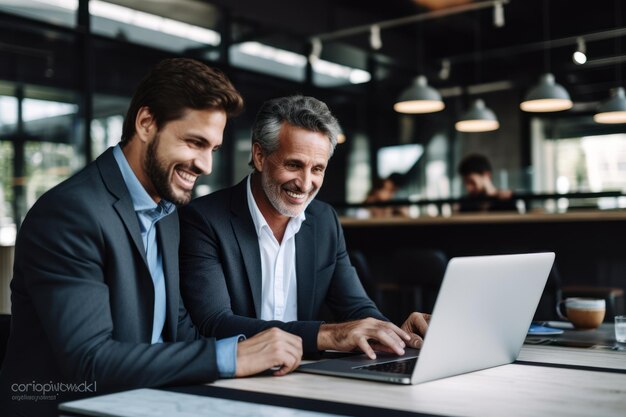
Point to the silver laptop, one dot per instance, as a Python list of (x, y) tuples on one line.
[(480, 320)]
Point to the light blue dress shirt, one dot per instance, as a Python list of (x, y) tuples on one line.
[(148, 214)]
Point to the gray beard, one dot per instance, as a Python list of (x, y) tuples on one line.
[(272, 192)]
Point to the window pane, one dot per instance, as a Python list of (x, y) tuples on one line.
[(50, 121), (583, 164), (280, 62), (52, 150), (46, 165), (105, 132), (7, 226), (398, 159), (159, 25), (267, 59), (590, 163), (6, 183), (340, 65), (106, 126), (8, 114), (8, 123), (58, 12), (330, 74)]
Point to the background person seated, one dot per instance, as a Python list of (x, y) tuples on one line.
[(385, 190), (482, 194)]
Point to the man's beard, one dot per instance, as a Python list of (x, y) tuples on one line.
[(273, 192), (160, 176)]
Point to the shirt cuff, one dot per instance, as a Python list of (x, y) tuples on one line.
[(226, 355)]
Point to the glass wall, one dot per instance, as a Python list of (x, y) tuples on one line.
[(7, 225), (8, 122), (566, 160), (46, 165), (39, 147), (58, 12), (154, 24), (62, 83)]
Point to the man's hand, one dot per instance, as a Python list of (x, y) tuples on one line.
[(366, 334), (416, 326), (504, 194), (271, 348)]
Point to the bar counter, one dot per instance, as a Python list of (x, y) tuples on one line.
[(481, 218), (590, 246)]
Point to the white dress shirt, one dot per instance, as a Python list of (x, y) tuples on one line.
[(278, 265)]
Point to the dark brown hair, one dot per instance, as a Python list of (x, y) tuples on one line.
[(474, 164), (176, 85)]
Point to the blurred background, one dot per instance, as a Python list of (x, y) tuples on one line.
[(68, 69)]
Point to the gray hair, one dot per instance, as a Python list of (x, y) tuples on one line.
[(306, 112)]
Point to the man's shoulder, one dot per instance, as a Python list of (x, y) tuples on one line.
[(217, 200), (79, 200), (215, 207), (82, 187)]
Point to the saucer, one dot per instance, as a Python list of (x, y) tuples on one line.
[(538, 330)]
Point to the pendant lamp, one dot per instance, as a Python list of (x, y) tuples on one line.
[(614, 109), (478, 118), (547, 96), (419, 98)]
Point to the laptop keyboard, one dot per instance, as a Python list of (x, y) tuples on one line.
[(405, 366)]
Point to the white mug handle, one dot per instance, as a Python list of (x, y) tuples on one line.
[(558, 311)]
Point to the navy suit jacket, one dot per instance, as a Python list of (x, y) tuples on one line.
[(220, 266), (83, 299)]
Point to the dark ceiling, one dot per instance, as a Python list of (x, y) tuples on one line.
[(479, 52)]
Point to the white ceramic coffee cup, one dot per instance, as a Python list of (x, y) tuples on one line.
[(584, 313)]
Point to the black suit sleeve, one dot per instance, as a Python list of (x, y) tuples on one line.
[(186, 330), (206, 293), (62, 264), (346, 297)]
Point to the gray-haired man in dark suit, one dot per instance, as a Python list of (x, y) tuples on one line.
[(265, 253)]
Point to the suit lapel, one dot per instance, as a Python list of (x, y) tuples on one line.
[(126, 212), (168, 235), (113, 180), (243, 228), (305, 267)]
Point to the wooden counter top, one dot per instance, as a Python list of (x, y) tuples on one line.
[(474, 218)]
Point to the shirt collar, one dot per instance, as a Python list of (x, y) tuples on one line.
[(138, 194), (257, 217)]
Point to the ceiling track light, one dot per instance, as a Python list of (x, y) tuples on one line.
[(498, 15), (316, 50), (444, 72), (580, 55), (466, 7), (375, 40), (49, 72)]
